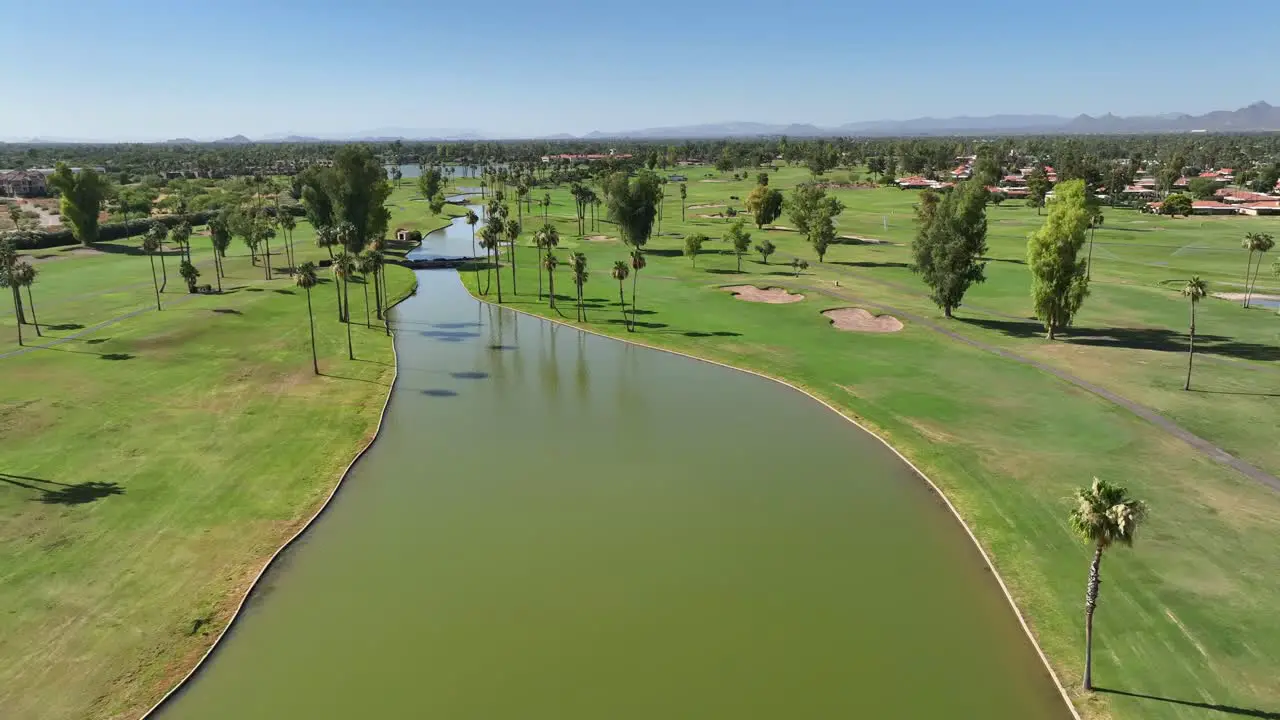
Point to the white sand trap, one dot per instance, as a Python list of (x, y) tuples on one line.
[(599, 238), (771, 295), (859, 320), (704, 206), (1239, 297)]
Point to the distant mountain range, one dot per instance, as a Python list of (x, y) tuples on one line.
[(1258, 117)]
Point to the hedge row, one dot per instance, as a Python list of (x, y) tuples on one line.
[(41, 239)]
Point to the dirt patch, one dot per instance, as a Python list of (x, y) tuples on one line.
[(859, 320), (65, 254), (770, 295)]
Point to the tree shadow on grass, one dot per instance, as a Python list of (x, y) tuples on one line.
[(283, 291), (722, 271), (1157, 339), (664, 252), (1235, 392), (646, 325), (1229, 709), (118, 356), (227, 311), (719, 333), (56, 493), (1012, 261), (869, 264), (64, 326), (96, 341)]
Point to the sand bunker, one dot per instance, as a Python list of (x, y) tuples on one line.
[(1239, 297), (859, 320), (599, 238), (771, 295), (704, 206)]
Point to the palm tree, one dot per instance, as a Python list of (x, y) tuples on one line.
[(345, 234), (620, 273), (8, 264), (344, 266), (661, 196), (637, 264), (159, 233), (1104, 515), (1194, 291), (546, 207), (190, 274), (219, 238), (366, 267), (371, 264), (151, 245), (1262, 242), (490, 240), (472, 219), (306, 279), (579, 265), (546, 239), (327, 238), (1094, 223), (549, 262), (684, 193), (23, 274), (1248, 243), (287, 224), (513, 235), (266, 233), (180, 235)]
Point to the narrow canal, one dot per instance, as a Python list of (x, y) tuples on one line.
[(555, 525)]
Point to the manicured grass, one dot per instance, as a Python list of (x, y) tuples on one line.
[(148, 468), (1185, 624)]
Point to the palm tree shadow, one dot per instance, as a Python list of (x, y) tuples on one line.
[(1229, 709), (1156, 339), (56, 493)]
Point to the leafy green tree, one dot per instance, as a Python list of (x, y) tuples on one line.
[(550, 263), (632, 205), (1260, 243), (803, 204), (1194, 290), (762, 179), (765, 204), (766, 248), (82, 196), (822, 230), (1170, 172), (739, 240), (316, 199), (1105, 515), (1059, 283), (151, 246), (190, 274), (344, 266), (578, 263), (359, 192), (950, 242), (620, 273), (306, 279), (430, 183), (693, 245), (1202, 188), (1176, 204), (437, 203), (23, 274), (797, 265), (1037, 188)]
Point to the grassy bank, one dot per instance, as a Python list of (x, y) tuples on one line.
[(148, 467), (1184, 627)]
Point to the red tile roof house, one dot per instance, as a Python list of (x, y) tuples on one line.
[(1261, 208), (1238, 197), (914, 182), (20, 183), (1212, 207)]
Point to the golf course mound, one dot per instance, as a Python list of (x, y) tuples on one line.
[(859, 320)]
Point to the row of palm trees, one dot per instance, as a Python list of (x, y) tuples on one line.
[(16, 274)]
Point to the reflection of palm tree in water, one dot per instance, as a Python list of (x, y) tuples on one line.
[(583, 375), (551, 368)]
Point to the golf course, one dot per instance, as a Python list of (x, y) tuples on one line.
[(560, 516)]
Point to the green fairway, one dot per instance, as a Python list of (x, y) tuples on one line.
[(1184, 627), (149, 467)]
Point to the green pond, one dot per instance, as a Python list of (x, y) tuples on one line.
[(555, 525)]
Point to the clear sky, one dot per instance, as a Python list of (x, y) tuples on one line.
[(152, 69)]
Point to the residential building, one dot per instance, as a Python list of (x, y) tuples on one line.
[(23, 183)]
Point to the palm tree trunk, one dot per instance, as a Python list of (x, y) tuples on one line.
[(377, 294), (635, 279), (19, 326), (1088, 267), (155, 284), (351, 353), (551, 287), (1253, 285), (266, 257), (497, 271), (34, 320), (315, 362), (17, 305), (164, 272), (1247, 268), (1091, 602), (513, 267), (622, 302), (473, 255), (217, 268), (1191, 347), (539, 274), (367, 323)]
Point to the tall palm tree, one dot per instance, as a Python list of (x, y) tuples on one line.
[(546, 207), (159, 233), (344, 266), (8, 263), (287, 225), (620, 273), (513, 237), (366, 266), (327, 238), (637, 264), (371, 264), (472, 219), (219, 236), (306, 279), (1262, 242), (661, 196), (345, 233), (1104, 515), (490, 240), (151, 245), (549, 263), (23, 274), (684, 193), (1248, 243), (1195, 290), (547, 238), (266, 232), (579, 265)]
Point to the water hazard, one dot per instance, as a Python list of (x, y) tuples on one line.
[(557, 525)]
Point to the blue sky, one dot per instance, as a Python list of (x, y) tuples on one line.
[(145, 69)]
